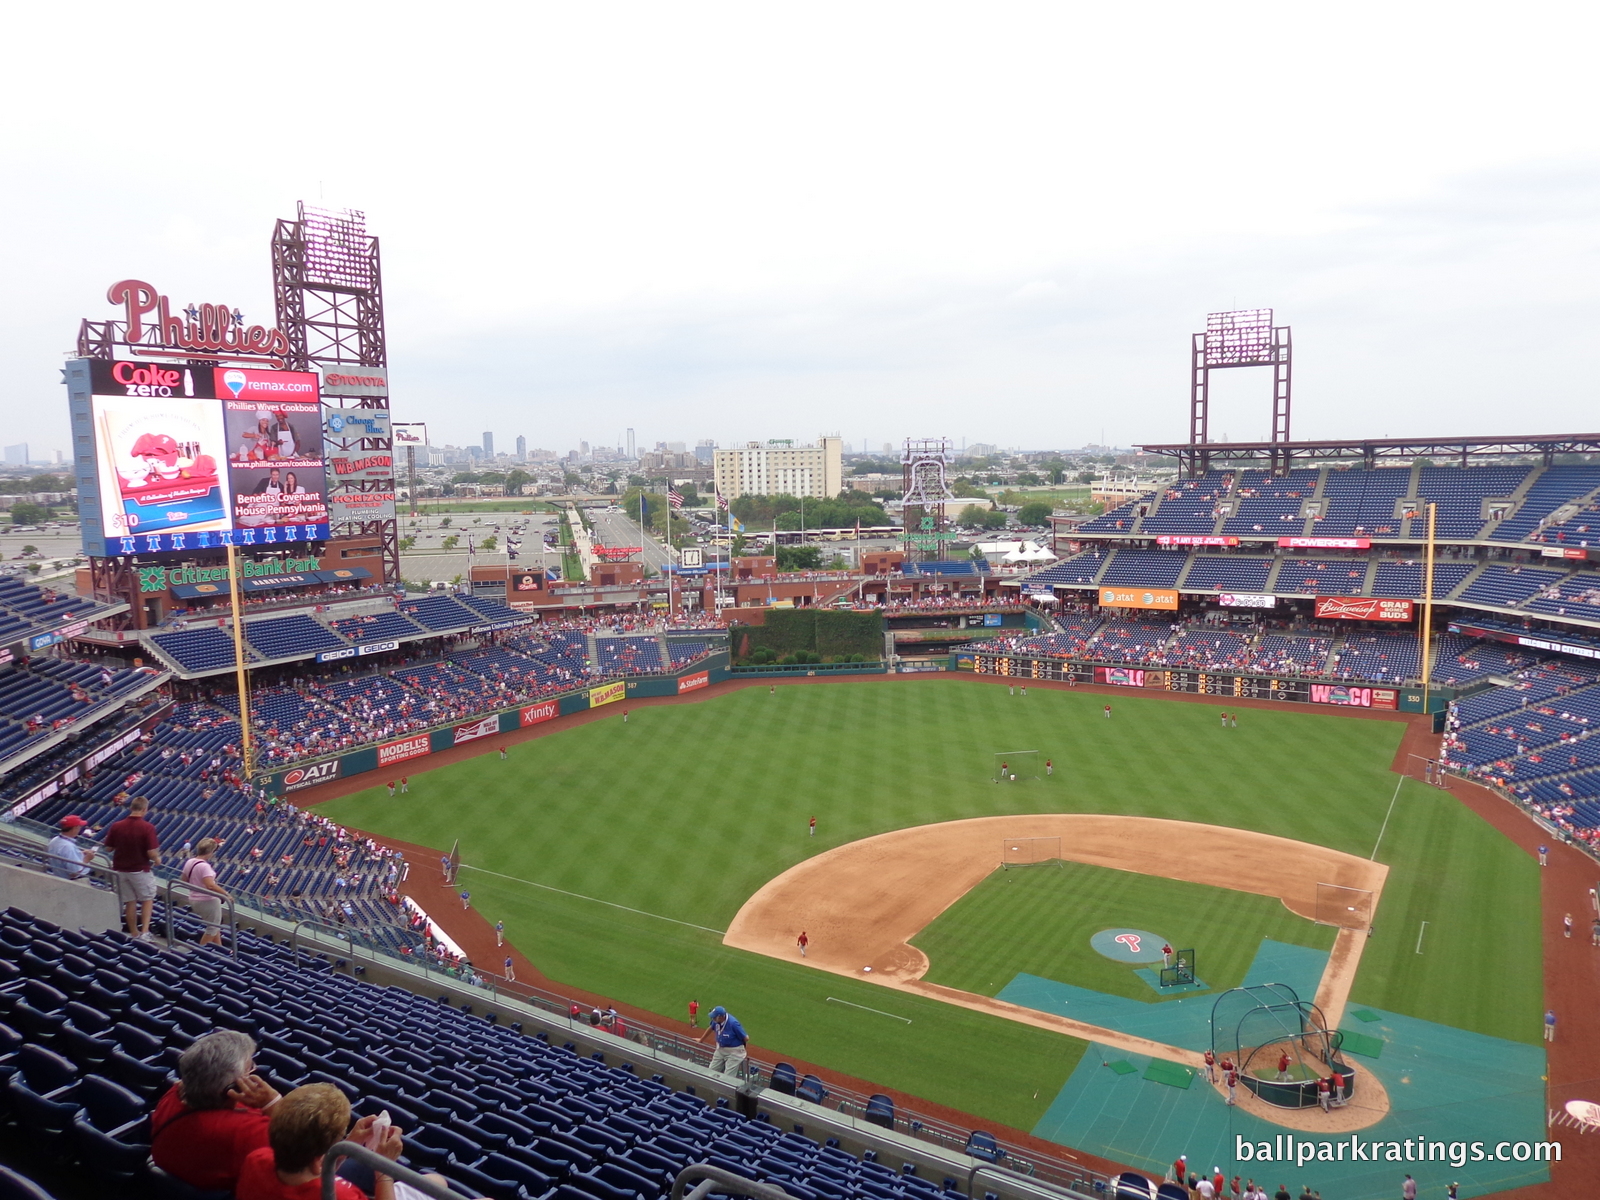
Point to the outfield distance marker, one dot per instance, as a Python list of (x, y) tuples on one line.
[(864, 1008), (1420, 932)]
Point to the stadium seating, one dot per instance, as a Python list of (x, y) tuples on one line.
[(946, 569), (205, 649), (1128, 641), (1189, 506), (1575, 596), (1144, 568), (1404, 579), (440, 613), (1555, 487), (1209, 648), (1362, 503), (1227, 574), (1270, 504), (1508, 586), (1322, 576), (1279, 654), (1079, 569), (1121, 519), (685, 652), (1458, 494), (629, 655), (1377, 657), (497, 1112), (376, 627), (47, 695)]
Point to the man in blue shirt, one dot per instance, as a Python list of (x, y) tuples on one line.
[(731, 1041), (66, 856)]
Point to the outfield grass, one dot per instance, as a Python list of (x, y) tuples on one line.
[(689, 808), (1039, 919)]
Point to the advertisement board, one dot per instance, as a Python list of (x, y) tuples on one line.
[(188, 458), (1121, 676), (1133, 597), (345, 507), (347, 426), (1354, 697), (299, 778), (346, 380), (360, 465), (1356, 608), (1246, 600), (1195, 539), (1324, 543), (486, 727), (411, 747), (608, 693), (537, 714), (690, 683)]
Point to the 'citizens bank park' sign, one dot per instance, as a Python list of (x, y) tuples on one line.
[(1358, 609)]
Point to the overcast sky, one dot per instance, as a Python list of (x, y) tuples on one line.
[(987, 222)]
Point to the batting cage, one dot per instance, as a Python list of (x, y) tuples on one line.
[(1281, 1044), (1016, 766), (1030, 851)]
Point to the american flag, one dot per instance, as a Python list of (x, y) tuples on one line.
[(675, 498), (722, 502)]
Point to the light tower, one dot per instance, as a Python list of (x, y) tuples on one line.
[(1242, 338)]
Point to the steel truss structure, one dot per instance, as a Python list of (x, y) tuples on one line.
[(327, 284), (1243, 338), (1196, 458), (924, 490)]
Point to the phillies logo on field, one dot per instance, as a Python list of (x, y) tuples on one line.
[(1130, 940)]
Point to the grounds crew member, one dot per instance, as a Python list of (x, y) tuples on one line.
[(731, 1043)]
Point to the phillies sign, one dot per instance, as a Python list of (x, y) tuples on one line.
[(211, 330)]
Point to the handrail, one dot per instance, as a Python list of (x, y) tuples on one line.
[(707, 1176), (425, 1184), (233, 914)]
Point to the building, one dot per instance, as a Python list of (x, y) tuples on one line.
[(631, 451), (488, 445), (781, 468), (705, 452), (522, 448), (17, 456)]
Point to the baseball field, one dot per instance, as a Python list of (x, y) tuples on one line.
[(617, 854)]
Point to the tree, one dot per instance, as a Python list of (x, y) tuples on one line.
[(981, 517), (451, 542), (407, 543), (466, 477), (444, 521), (1057, 470), (967, 487), (1028, 479), (1037, 513), (30, 550), (799, 558), (788, 520), (572, 479), (1085, 476), (516, 480), (489, 543), (24, 512)]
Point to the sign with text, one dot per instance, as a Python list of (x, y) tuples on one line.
[(487, 727), (346, 507), (1354, 697), (304, 777), (608, 693), (537, 714), (1324, 543), (1355, 608), (1246, 600), (1133, 597), (412, 747), (347, 380), (1194, 539), (691, 683)]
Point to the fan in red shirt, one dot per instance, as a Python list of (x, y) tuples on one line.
[(215, 1116), (305, 1125)]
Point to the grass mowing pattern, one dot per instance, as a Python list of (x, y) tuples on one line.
[(1039, 919), (689, 808)]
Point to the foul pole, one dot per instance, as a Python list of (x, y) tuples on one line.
[(241, 679), (1427, 605)]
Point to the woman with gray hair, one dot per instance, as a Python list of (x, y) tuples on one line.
[(205, 896), (211, 1120)]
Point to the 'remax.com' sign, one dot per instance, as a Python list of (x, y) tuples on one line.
[(1358, 608)]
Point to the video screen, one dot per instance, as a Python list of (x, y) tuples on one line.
[(195, 457)]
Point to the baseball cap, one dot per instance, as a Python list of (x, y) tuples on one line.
[(719, 1011), (73, 822)]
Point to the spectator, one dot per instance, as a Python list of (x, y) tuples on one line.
[(67, 857), (305, 1125), (205, 896), (135, 849), (210, 1121), (731, 1042)]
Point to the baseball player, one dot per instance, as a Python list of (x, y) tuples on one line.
[(391, 789), (1049, 767), (1180, 1170), (1211, 1067), (1325, 1093), (1233, 719), (802, 941), (502, 754), (813, 827), (1283, 1067), (1224, 720), (1544, 856), (1566, 925), (405, 784), (1108, 712), (1166, 954), (1230, 1079), (1338, 1088)]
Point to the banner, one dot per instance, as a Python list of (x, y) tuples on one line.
[(545, 710), (415, 746), (1358, 609), (1121, 676), (1115, 597), (1194, 539), (375, 464), (1246, 600), (360, 506), (304, 777), (608, 693), (1354, 697), (345, 380), (486, 727), (1324, 543), (690, 683)]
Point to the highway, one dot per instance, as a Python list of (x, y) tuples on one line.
[(616, 529)]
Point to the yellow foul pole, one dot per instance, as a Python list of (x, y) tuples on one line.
[(246, 748), (1427, 605)]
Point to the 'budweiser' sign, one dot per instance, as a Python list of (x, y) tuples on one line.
[(1364, 609)]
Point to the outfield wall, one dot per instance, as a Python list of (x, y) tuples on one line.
[(1296, 689), (393, 756)]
